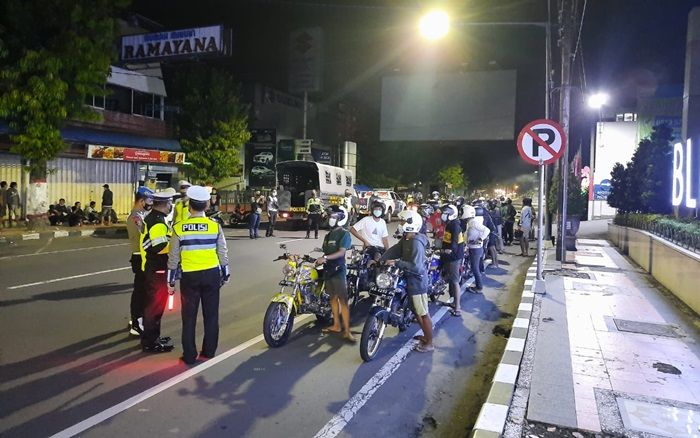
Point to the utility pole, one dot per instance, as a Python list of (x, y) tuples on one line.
[(567, 20)]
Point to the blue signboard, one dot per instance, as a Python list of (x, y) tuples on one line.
[(321, 156), (601, 191)]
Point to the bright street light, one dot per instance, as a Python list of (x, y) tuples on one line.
[(598, 100), (434, 25)]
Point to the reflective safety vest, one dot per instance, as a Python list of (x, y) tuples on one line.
[(314, 206), (157, 234), (182, 210), (197, 236)]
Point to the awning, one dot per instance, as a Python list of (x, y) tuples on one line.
[(90, 136)]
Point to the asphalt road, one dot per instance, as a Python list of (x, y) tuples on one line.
[(66, 355)]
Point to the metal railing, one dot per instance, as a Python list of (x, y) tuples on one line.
[(665, 228)]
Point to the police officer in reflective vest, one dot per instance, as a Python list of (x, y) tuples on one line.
[(143, 203), (198, 249), (154, 245), (314, 209), (182, 204)]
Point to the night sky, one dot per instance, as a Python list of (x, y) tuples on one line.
[(629, 47)]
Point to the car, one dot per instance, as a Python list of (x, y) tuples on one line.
[(262, 171), (263, 158), (393, 204)]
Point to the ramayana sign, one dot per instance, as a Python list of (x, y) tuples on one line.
[(193, 42), (685, 175)]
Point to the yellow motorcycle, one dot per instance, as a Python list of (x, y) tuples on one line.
[(302, 291)]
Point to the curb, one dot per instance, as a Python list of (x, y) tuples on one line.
[(494, 412), (63, 233)]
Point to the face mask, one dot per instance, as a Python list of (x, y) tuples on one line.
[(332, 222), (444, 217), (147, 207), (377, 213)]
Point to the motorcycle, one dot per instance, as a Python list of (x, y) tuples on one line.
[(215, 215), (392, 306), (302, 291), (358, 275), (437, 285)]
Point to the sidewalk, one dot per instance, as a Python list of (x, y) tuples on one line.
[(16, 235), (607, 351)]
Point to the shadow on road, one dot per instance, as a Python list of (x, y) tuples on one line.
[(73, 294)]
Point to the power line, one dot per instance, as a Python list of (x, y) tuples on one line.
[(580, 29)]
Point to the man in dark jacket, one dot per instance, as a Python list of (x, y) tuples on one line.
[(452, 253), (410, 252), (107, 202), (509, 219)]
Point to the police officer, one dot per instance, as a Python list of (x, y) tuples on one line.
[(314, 209), (272, 208), (143, 202), (182, 204), (198, 248), (154, 246)]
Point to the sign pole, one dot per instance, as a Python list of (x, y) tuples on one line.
[(539, 286)]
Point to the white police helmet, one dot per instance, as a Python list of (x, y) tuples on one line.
[(413, 222), (449, 210), (468, 212)]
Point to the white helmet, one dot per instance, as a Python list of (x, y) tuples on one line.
[(339, 214), (413, 221), (468, 212), (451, 212)]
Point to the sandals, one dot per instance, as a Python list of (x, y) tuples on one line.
[(456, 312), (328, 330), (422, 348), (350, 339), (419, 338)]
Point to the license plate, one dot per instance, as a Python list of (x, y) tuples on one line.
[(286, 283)]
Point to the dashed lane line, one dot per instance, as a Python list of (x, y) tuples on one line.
[(61, 251), (55, 280)]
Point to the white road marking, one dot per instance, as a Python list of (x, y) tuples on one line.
[(67, 278), (48, 242), (348, 411), (62, 251), (138, 398)]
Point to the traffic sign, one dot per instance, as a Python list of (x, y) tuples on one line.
[(541, 141)]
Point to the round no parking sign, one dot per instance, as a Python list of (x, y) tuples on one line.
[(541, 141)]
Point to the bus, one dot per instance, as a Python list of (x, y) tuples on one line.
[(296, 179)]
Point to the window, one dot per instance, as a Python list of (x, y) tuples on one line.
[(95, 101), (328, 177), (143, 104), (338, 179), (348, 180), (118, 99)]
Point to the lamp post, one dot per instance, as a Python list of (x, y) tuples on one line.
[(435, 25), (596, 102)]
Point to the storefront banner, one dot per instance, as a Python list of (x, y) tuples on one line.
[(193, 42), (129, 154)]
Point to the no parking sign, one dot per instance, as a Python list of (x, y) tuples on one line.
[(541, 141)]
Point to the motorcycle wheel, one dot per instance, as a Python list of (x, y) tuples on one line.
[(372, 335), (353, 293), (277, 324)]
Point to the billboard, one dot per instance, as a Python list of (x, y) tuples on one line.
[(454, 106), (99, 152), (305, 60), (193, 42), (261, 164)]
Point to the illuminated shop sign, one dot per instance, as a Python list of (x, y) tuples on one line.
[(169, 44), (684, 170)]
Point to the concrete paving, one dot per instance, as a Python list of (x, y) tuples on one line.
[(66, 356), (613, 352)]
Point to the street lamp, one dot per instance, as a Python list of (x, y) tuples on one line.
[(434, 25), (598, 100)]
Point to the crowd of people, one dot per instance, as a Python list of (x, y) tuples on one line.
[(76, 215)]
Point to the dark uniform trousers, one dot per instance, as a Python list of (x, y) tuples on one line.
[(156, 299), (138, 296), (314, 222), (199, 286)]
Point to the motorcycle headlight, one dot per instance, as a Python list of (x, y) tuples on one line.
[(287, 270), (383, 280)]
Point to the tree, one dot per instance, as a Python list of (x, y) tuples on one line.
[(53, 53), (453, 176), (645, 184), (576, 199), (212, 122)]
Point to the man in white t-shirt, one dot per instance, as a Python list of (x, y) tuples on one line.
[(372, 230)]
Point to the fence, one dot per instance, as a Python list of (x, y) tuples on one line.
[(685, 235)]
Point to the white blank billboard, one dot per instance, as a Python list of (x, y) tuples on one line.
[(457, 106)]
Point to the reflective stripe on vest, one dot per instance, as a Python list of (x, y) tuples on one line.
[(198, 236), (182, 210), (158, 234)]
